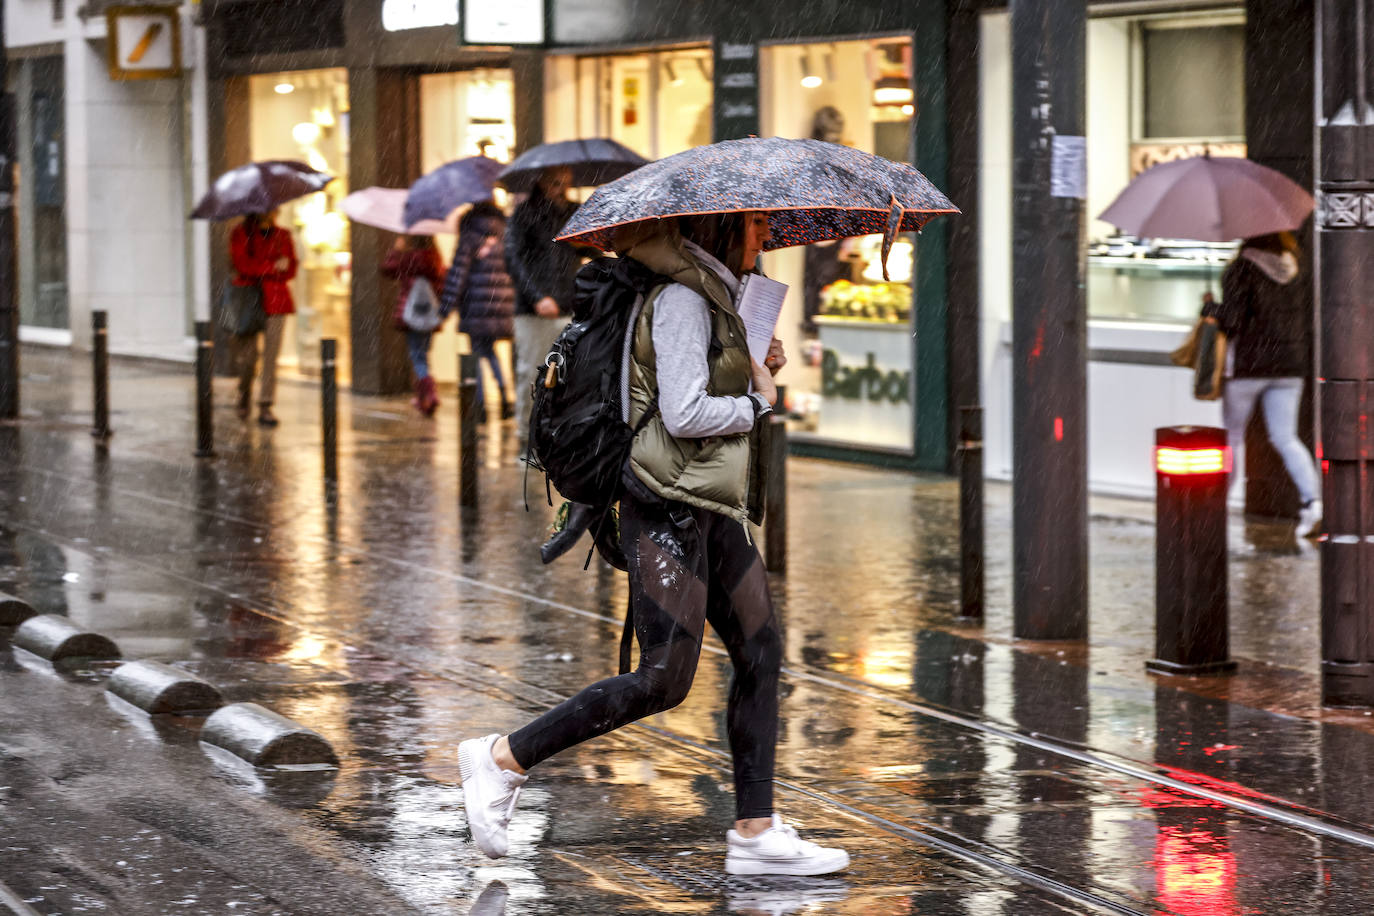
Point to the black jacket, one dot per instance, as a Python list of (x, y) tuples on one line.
[(538, 265), (478, 286), (1264, 321)]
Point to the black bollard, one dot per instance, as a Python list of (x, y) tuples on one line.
[(205, 369), (467, 429), (1192, 466), (100, 373), (329, 408), (775, 491), (970, 450)]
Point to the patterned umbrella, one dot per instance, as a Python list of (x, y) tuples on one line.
[(812, 191), (595, 161), (440, 192), (257, 188), (1209, 199)]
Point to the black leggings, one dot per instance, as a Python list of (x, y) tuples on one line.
[(687, 567)]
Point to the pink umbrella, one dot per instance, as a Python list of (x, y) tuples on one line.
[(384, 208), (1209, 199)]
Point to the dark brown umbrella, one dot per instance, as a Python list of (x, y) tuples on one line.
[(1211, 199), (257, 188)]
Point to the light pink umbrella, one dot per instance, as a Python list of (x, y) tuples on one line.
[(1211, 199), (383, 208)]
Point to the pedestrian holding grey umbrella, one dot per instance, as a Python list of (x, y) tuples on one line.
[(697, 399), (543, 272)]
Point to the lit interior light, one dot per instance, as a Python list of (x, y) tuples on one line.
[(284, 88), (810, 78), (306, 133), (811, 82), (908, 109), (892, 95)]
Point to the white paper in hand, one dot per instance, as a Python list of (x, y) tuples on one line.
[(760, 303)]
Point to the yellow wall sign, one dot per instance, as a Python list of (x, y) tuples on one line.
[(144, 42)]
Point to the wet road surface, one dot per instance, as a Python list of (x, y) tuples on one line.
[(966, 774)]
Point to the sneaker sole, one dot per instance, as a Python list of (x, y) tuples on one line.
[(789, 867), (467, 767)]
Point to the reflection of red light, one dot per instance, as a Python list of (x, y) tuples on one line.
[(1195, 872)]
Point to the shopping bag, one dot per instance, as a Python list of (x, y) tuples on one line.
[(241, 311), (421, 312)]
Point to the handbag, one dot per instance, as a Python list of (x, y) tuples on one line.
[(241, 311), (1204, 351), (421, 312)]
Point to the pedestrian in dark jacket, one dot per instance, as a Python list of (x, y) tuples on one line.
[(1269, 341), (543, 272), (264, 256), (414, 258), (480, 290)]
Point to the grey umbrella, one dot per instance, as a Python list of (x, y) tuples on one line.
[(257, 188), (593, 161)]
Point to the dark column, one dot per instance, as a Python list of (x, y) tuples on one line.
[(1049, 321), (1346, 327), (228, 125), (382, 120), (1278, 133), (9, 286), (527, 76)]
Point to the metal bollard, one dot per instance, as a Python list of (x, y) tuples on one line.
[(970, 450), (100, 373), (205, 369), (775, 491), (467, 429), (1192, 466), (329, 407)]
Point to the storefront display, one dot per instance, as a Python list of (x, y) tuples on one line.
[(849, 330), (303, 115)]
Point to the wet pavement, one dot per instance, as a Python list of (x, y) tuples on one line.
[(966, 772)]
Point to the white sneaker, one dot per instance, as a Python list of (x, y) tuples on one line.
[(1309, 517), (779, 851), (489, 794)]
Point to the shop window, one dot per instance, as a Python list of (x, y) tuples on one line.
[(1159, 89), (656, 103), (303, 115), (846, 329)]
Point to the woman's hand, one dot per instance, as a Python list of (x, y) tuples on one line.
[(763, 383), (282, 265), (776, 358)]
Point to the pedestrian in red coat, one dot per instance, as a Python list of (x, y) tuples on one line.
[(262, 255), (415, 258)]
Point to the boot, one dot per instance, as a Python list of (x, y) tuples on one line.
[(265, 415), (571, 521), (418, 402), (507, 410), (245, 405), (430, 397)]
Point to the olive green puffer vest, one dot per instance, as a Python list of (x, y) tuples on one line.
[(718, 473)]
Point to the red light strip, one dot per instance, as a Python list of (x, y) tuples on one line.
[(1187, 461)]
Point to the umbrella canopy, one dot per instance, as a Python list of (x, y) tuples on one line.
[(257, 188), (593, 162), (1209, 199), (462, 181), (385, 209), (812, 191)]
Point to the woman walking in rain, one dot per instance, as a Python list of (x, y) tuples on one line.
[(262, 255), (411, 259), (687, 487), (479, 288), (1263, 320)]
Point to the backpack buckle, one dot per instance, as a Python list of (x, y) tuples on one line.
[(556, 364)]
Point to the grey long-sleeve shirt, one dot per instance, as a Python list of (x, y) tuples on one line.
[(682, 337)]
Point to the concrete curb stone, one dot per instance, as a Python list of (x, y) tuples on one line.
[(14, 611), (264, 738), (156, 688), (55, 637)]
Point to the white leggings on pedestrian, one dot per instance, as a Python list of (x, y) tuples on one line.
[(1280, 398)]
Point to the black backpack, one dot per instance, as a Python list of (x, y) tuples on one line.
[(577, 436)]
